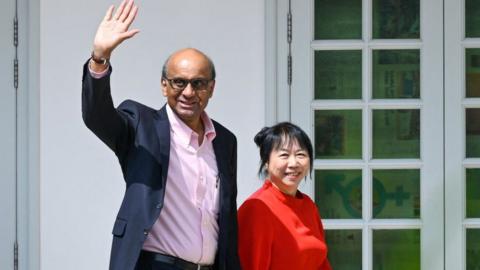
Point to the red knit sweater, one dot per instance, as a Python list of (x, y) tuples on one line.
[(280, 232)]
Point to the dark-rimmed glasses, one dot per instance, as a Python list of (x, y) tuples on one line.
[(197, 84)]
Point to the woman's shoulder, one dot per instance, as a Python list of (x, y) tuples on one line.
[(255, 200), (255, 210), (259, 202)]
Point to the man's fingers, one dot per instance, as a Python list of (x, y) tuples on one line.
[(108, 15), (119, 10), (126, 11), (131, 16), (129, 34)]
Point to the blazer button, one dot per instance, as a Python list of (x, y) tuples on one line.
[(145, 232), (158, 206)]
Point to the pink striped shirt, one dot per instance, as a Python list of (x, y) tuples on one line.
[(187, 226)]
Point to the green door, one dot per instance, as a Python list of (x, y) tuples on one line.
[(368, 86)]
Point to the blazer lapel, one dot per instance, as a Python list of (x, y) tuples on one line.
[(162, 126), (220, 156)]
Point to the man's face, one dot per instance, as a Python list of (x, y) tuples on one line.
[(190, 102)]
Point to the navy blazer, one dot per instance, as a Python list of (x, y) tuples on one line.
[(140, 138)]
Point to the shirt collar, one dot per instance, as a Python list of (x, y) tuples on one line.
[(184, 132)]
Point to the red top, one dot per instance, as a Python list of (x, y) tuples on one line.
[(277, 231)]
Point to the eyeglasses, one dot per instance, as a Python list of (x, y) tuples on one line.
[(178, 84)]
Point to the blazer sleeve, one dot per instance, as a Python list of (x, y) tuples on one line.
[(112, 126), (256, 235)]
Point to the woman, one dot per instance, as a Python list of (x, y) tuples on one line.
[(279, 226)]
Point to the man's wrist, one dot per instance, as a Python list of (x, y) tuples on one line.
[(97, 70), (101, 60)]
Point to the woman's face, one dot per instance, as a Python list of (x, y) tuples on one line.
[(287, 166)]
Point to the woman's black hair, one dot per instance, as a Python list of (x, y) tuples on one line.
[(274, 137)]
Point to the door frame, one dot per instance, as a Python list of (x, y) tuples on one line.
[(8, 184), (456, 162), (29, 135)]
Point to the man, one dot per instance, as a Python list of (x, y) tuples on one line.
[(179, 208)]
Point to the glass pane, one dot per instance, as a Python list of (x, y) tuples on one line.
[(473, 193), (472, 18), (473, 249), (396, 19), (396, 133), (396, 194), (396, 249), (396, 74), (338, 19), (338, 193), (344, 244), (473, 133), (472, 74), (338, 134), (338, 74)]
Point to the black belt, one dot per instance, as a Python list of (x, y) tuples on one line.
[(177, 262)]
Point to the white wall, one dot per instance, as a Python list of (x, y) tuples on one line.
[(81, 185)]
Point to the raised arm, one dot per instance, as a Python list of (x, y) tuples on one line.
[(112, 31), (114, 127)]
